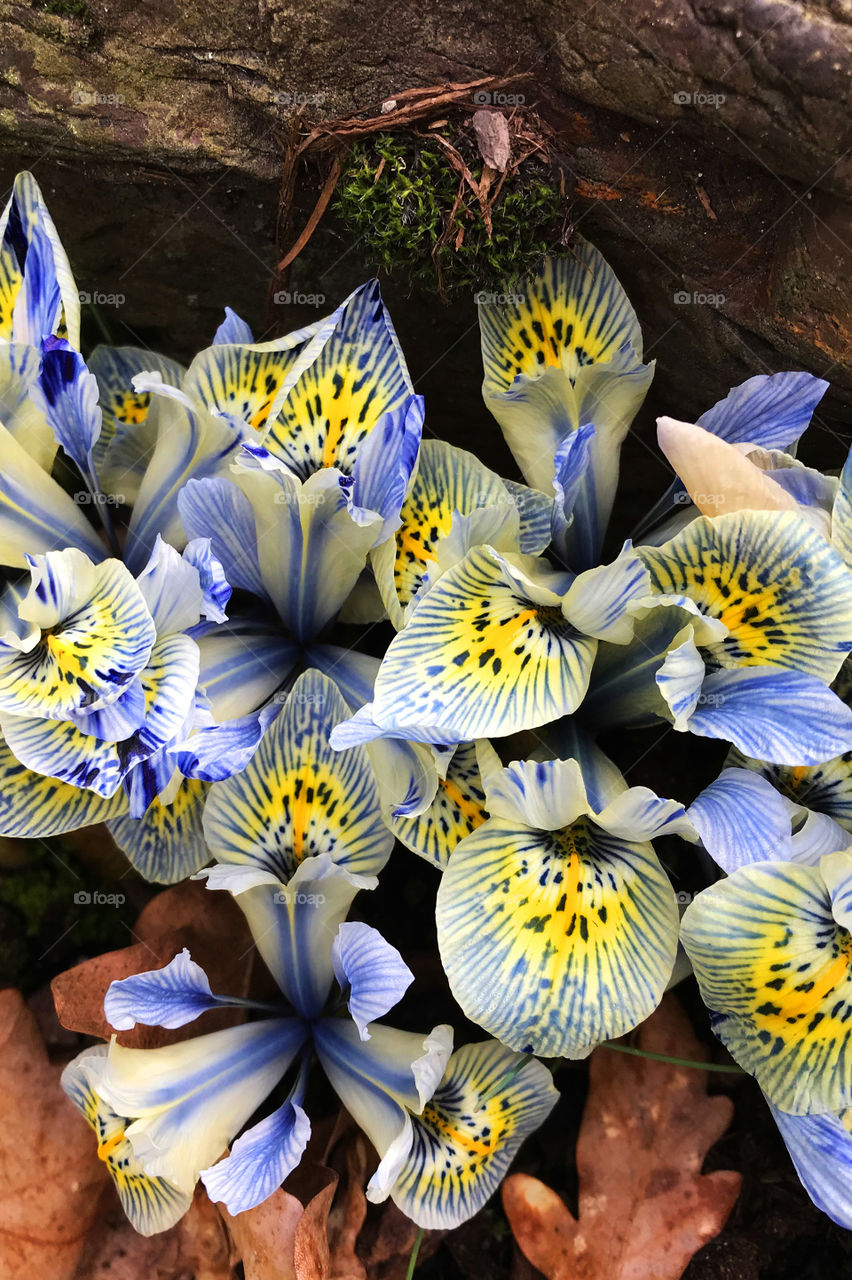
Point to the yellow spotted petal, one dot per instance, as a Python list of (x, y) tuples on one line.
[(247, 381), (457, 809), (448, 480), (297, 798), (60, 750), (124, 410), (556, 941), (97, 634), (775, 968), (358, 375), (151, 1203), (781, 590), (469, 1132), (34, 805), (167, 843), (571, 314), (487, 652), (25, 217)]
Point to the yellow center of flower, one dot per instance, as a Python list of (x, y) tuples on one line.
[(64, 653), (435, 1120), (105, 1149), (468, 808)]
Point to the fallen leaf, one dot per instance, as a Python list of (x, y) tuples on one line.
[(197, 1246), (286, 1237), (263, 1237), (210, 924), (645, 1206), (492, 136), (50, 1176), (347, 1215)]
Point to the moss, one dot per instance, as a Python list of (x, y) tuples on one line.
[(56, 913), (398, 199), (67, 9)]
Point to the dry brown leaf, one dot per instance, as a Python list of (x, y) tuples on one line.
[(346, 1217), (645, 1206), (189, 915), (197, 1246), (263, 1237), (286, 1237), (492, 137), (50, 1176)]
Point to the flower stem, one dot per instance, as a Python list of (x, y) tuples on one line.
[(415, 1250), (675, 1062)]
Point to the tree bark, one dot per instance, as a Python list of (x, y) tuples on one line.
[(711, 141)]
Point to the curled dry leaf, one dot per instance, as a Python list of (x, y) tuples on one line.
[(492, 136), (286, 1238), (188, 915), (645, 1206), (196, 1247), (50, 1176)]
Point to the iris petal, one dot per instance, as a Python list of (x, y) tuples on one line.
[(556, 941), (32, 804), (297, 798), (188, 1100), (774, 965), (371, 969), (357, 376), (260, 1160), (487, 652), (468, 1135), (168, 997), (97, 635), (152, 1204), (778, 587), (167, 843)]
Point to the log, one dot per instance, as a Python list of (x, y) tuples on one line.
[(711, 143)]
